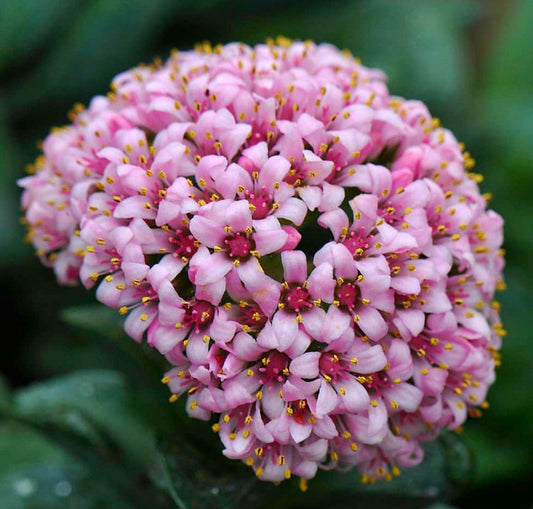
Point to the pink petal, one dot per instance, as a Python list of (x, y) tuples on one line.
[(292, 209), (294, 266), (285, 327), (321, 282), (327, 399), (236, 394), (370, 361), (306, 365), (207, 231), (216, 268), (246, 347), (371, 322), (300, 431), (270, 241), (352, 394), (407, 396), (312, 321)]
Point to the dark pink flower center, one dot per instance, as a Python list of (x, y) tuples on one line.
[(261, 204), (72, 272), (436, 350), (297, 299), (186, 244), (301, 413), (239, 245), (114, 258), (347, 294), (198, 314), (404, 301), (295, 177), (274, 368), (331, 365), (389, 214), (145, 293), (356, 242), (376, 381), (458, 295), (252, 317)]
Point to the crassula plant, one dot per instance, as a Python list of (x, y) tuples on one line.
[(311, 254)]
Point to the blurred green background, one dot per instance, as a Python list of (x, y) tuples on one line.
[(470, 61)]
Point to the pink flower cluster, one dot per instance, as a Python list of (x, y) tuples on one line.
[(311, 254)]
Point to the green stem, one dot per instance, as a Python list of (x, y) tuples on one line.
[(168, 482)]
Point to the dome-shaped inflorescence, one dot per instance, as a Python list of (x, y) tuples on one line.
[(311, 254)]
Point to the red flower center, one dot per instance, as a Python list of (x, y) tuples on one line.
[(297, 299), (198, 315), (261, 204), (239, 246), (295, 177), (347, 294), (274, 368), (330, 364), (252, 317), (186, 244), (356, 242)]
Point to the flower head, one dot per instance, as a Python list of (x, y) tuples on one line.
[(311, 254)]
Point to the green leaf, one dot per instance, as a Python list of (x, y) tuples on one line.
[(95, 404), (102, 322), (95, 318), (92, 336), (103, 327), (199, 481), (202, 482), (94, 418), (142, 366), (35, 474)]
